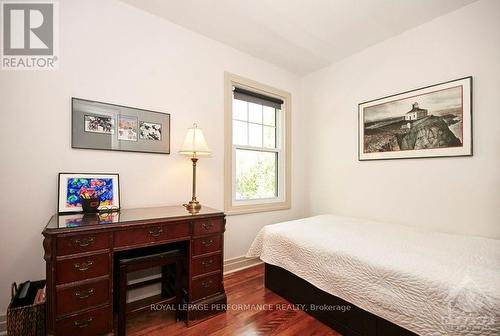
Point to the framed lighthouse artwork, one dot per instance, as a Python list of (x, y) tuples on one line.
[(433, 121)]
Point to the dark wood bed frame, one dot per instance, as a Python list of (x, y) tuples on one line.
[(353, 322)]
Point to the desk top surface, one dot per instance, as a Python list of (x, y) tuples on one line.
[(65, 222)]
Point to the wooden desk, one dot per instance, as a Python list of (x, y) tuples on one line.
[(79, 254)]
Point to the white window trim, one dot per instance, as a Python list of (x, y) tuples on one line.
[(283, 201)]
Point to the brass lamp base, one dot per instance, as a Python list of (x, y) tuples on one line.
[(193, 206)]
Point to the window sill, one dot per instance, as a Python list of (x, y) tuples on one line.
[(255, 208)]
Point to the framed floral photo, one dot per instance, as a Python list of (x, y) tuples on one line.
[(72, 187)]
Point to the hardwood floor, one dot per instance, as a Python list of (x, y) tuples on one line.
[(243, 287)]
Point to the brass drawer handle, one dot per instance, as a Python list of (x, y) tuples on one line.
[(85, 294), (84, 242), (206, 284), (84, 323), (207, 226), (207, 263), (156, 232), (207, 243), (84, 266)]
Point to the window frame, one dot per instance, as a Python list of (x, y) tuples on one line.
[(283, 148)]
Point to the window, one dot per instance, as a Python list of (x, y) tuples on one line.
[(257, 147)]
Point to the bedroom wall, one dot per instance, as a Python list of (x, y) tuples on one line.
[(133, 59), (460, 194)]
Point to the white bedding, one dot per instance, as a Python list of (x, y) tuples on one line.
[(427, 282)]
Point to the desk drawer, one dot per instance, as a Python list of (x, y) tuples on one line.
[(151, 234), (75, 298), (207, 226), (207, 244), (206, 264), (82, 243), (206, 286), (95, 322), (82, 268)]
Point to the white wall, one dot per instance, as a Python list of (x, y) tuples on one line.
[(115, 53), (449, 194)]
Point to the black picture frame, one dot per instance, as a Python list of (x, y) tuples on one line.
[(81, 138), (467, 130), (61, 194)]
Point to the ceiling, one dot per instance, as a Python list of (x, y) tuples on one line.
[(299, 35)]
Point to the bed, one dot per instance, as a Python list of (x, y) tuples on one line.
[(399, 280)]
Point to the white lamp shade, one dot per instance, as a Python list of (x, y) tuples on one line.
[(195, 143)]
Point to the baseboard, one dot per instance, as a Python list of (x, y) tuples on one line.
[(240, 263)]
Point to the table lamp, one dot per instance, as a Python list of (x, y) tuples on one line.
[(194, 146)]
